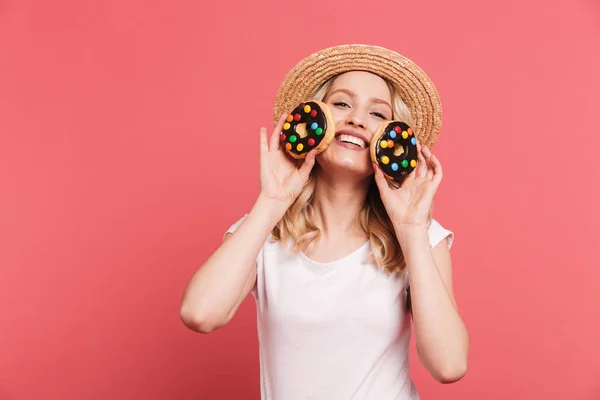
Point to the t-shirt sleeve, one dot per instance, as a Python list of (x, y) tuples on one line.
[(437, 233), (236, 225)]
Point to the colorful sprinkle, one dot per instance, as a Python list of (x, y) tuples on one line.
[(394, 167), (385, 160), (393, 134), (410, 131), (293, 139), (297, 117), (299, 147), (404, 134), (283, 137), (384, 144), (286, 126), (290, 118), (404, 163), (307, 108), (288, 146), (313, 113), (397, 129), (413, 141), (390, 143), (314, 126), (319, 131), (311, 142), (413, 163)]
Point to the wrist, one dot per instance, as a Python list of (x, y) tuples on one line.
[(406, 232), (271, 209)]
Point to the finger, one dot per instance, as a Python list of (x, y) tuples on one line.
[(264, 147), (438, 174), (419, 163), (421, 166), (380, 179), (308, 164), (427, 153), (276, 136), (410, 177)]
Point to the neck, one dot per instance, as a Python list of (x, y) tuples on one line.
[(336, 205)]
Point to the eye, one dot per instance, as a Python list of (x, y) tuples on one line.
[(378, 115), (341, 104)]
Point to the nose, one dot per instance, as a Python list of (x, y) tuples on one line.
[(356, 119)]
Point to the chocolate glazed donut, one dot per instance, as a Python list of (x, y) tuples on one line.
[(310, 125), (394, 149)]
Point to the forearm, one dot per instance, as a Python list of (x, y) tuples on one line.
[(440, 333), (217, 287)]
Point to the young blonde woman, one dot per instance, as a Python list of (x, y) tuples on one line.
[(337, 258)]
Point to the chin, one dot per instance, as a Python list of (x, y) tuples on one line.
[(340, 164)]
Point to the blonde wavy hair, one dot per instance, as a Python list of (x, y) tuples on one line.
[(297, 223)]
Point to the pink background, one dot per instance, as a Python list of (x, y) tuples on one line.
[(129, 143)]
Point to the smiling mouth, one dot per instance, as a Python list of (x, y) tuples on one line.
[(358, 142)]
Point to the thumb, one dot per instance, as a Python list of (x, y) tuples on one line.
[(380, 179), (307, 165)]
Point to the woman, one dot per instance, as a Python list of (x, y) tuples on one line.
[(335, 256)]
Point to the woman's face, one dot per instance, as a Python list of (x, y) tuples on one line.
[(360, 103)]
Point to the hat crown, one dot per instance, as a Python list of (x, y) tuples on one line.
[(414, 87)]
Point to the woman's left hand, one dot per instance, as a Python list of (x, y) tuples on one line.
[(409, 205)]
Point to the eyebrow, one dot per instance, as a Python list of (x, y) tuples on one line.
[(352, 94)]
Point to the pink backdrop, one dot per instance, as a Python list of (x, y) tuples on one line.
[(129, 143)]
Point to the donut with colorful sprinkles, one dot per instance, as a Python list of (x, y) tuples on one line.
[(394, 149), (309, 126)]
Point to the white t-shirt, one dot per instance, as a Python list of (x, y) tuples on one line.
[(332, 331)]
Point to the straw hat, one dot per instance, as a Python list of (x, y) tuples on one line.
[(414, 86)]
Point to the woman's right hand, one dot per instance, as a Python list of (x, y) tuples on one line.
[(280, 178)]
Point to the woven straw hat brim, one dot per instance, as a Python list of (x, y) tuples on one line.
[(415, 88)]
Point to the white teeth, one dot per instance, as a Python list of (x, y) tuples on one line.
[(353, 140)]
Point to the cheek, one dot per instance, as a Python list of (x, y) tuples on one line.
[(338, 116), (374, 125)]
